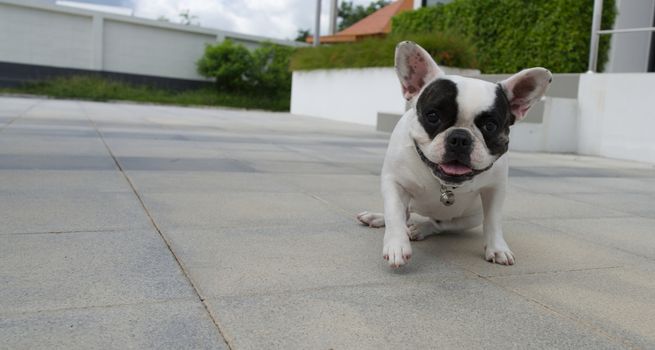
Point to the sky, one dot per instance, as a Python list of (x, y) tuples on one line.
[(278, 19)]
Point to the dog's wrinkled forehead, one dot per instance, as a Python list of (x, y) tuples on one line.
[(467, 97)]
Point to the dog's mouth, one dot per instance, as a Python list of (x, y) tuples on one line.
[(453, 171), (455, 168)]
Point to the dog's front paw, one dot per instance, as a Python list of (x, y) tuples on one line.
[(499, 255), (397, 251)]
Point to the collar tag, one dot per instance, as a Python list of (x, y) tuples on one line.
[(447, 196)]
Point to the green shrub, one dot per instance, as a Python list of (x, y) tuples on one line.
[(448, 50), (228, 63), (235, 68), (513, 34), (270, 70)]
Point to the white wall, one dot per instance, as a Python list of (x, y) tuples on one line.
[(45, 38), (616, 116), (40, 33), (139, 49), (557, 132), (352, 95), (629, 51)]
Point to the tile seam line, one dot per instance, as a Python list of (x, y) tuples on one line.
[(61, 232), (95, 307), (20, 115), (196, 290)]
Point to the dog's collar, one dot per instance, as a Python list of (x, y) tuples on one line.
[(447, 195)]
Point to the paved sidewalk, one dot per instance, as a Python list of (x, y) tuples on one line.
[(149, 227)]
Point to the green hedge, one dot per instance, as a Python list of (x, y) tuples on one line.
[(448, 50), (513, 34)]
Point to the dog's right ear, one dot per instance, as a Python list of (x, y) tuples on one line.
[(415, 68)]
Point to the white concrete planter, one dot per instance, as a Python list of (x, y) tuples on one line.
[(608, 115), (351, 95)]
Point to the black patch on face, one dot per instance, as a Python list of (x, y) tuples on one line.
[(499, 114), (437, 106)]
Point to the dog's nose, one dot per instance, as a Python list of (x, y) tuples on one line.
[(459, 141)]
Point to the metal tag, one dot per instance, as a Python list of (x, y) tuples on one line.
[(447, 198)]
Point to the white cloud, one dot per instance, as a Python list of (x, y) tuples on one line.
[(271, 18)]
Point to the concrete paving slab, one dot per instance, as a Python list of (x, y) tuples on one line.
[(78, 211), (334, 183), (618, 302), (351, 204), (550, 160), (39, 182), (523, 205), (632, 234), (316, 167), (537, 249), (162, 149), (641, 204), (237, 209), (15, 106), (181, 164), (168, 325), (18, 128), (241, 261), (55, 162), (574, 185), (458, 314), (259, 210), (12, 144), (209, 182), (82, 269)]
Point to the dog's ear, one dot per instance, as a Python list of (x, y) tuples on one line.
[(414, 67), (525, 88)]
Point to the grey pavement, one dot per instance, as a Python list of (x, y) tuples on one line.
[(131, 226)]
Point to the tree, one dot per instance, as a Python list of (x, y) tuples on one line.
[(302, 35), (187, 18), (350, 14)]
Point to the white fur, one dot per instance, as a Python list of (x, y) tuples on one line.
[(410, 189)]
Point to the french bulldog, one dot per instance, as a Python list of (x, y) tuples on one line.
[(445, 168)]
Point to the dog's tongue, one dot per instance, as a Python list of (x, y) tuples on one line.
[(455, 168)]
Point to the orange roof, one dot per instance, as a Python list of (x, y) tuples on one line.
[(375, 24)]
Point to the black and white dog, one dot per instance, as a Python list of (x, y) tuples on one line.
[(445, 168)]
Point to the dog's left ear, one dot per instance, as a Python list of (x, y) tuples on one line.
[(525, 88), (414, 67)]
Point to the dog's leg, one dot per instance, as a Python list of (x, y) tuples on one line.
[(496, 249), (397, 249), (374, 220)]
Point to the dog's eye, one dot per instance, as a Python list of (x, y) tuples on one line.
[(490, 126), (432, 117)]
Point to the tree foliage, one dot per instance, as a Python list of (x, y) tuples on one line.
[(350, 14), (302, 35)]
